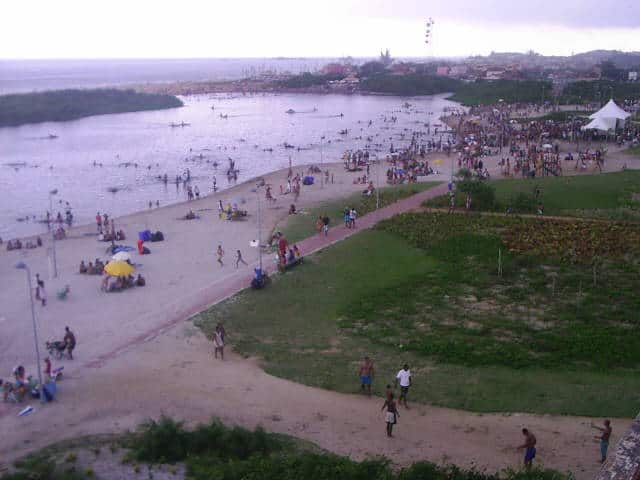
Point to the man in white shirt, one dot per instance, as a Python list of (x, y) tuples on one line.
[(404, 376)]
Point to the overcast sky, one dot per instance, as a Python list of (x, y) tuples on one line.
[(304, 28)]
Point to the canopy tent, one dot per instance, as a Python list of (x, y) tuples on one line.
[(602, 124), (610, 110)]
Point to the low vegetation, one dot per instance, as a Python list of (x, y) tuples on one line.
[(306, 80), (214, 451), (62, 105), (485, 92), (409, 84), (599, 91)]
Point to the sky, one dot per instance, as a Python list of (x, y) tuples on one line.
[(304, 28)]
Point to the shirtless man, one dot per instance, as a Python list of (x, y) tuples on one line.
[(529, 447), (366, 373), (604, 438)]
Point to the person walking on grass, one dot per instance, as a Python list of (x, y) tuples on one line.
[(391, 415), (366, 372), (404, 377), (220, 254), (218, 343), (604, 438), (529, 447), (239, 258)]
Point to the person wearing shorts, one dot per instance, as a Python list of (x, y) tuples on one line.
[(404, 378), (529, 447), (366, 372), (392, 415)]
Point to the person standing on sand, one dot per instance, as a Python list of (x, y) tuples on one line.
[(529, 447), (239, 258), (325, 225), (604, 438), (99, 222), (366, 372), (404, 376), (392, 414), (220, 254)]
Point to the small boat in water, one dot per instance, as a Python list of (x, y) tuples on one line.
[(291, 110), (181, 124), (51, 136)]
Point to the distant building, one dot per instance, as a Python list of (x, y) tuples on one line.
[(633, 76), (458, 71), (442, 70), (337, 69), (494, 74)]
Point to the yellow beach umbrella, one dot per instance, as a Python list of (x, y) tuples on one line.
[(437, 162), (119, 269)]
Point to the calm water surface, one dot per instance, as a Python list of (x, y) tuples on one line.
[(31, 164)]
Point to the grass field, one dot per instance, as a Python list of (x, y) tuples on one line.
[(298, 227), (633, 150), (424, 289), (606, 195)]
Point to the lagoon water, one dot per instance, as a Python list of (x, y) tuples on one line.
[(31, 164)]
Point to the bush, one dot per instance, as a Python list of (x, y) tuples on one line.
[(483, 195)]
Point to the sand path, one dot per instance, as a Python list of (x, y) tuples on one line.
[(138, 357)]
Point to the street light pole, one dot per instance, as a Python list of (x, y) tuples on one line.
[(53, 234), (377, 183), (259, 229), (23, 266), (321, 164)]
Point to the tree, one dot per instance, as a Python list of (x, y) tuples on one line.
[(609, 71), (372, 68)]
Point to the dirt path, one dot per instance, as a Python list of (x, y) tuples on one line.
[(169, 369)]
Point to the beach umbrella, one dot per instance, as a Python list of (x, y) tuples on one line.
[(118, 269), (121, 257), (437, 162)]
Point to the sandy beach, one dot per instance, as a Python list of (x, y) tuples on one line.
[(138, 355)]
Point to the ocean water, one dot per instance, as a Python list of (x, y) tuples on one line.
[(112, 163), (31, 75)]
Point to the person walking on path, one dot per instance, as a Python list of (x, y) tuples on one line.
[(529, 447), (220, 254), (41, 294), (239, 258), (366, 372), (392, 414), (218, 343), (99, 222), (69, 341), (604, 438), (404, 377), (325, 225), (352, 217)]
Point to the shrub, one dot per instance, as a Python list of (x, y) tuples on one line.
[(483, 195)]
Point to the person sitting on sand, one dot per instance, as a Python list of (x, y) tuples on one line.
[(140, 281), (190, 215), (91, 270), (83, 267), (292, 209)]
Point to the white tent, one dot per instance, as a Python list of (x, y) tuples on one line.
[(603, 124), (610, 110)]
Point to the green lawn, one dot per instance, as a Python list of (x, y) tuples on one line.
[(606, 195), (633, 150), (301, 226), (424, 289)]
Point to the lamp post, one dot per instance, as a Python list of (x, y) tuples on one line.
[(53, 235), (257, 190), (23, 266), (321, 164)]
